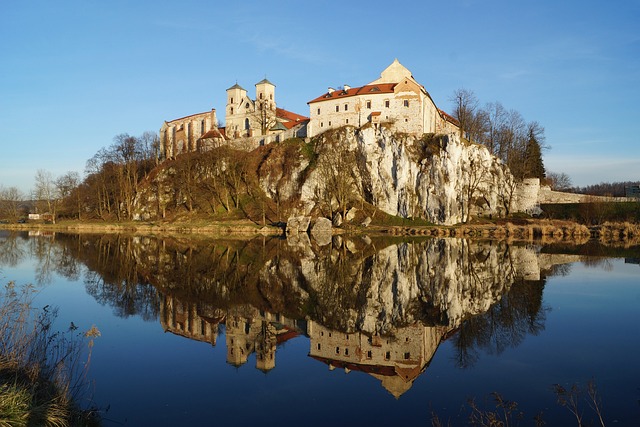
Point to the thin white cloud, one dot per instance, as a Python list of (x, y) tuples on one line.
[(286, 49)]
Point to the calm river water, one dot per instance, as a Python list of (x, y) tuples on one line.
[(371, 332)]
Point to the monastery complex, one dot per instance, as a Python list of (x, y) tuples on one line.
[(395, 100)]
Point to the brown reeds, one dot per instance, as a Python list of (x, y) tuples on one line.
[(38, 366)]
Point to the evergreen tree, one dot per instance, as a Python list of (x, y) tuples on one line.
[(533, 165)]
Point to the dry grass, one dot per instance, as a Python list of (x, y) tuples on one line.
[(38, 367)]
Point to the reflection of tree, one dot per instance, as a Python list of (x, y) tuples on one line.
[(518, 313), (126, 297), (114, 277), (43, 249), (11, 252)]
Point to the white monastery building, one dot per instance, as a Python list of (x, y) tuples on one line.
[(396, 99), (249, 123)]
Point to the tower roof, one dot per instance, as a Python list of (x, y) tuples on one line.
[(265, 81), (237, 86)]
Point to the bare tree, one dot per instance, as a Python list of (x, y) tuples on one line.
[(465, 110), (10, 200), (264, 116), (559, 181), (496, 116), (47, 192), (337, 170), (67, 186), (477, 177)]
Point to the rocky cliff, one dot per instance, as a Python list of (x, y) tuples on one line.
[(439, 178)]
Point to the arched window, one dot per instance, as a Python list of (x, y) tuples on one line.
[(246, 124)]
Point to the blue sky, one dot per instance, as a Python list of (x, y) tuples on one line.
[(74, 74)]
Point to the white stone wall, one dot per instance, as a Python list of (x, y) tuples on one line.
[(407, 119), (526, 196)]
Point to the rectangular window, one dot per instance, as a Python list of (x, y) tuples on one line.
[(346, 107), (386, 103), (337, 350), (346, 121), (387, 355), (407, 356), (337, 108), (319, 346), (369, 355), (346, 351), (321, 124), (369, 105), (318, 111), (406, 102)]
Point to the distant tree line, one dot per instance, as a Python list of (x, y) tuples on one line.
[(612, 189), (504, 132)]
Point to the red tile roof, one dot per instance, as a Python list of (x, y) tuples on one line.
[(283, 114), (449, 118), (375, 113), (213, 133), (364, 90)]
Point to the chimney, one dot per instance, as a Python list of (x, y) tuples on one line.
[(346, 87), (331, 90)]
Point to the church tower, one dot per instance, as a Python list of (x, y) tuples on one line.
[(236, 94), (265, 95)]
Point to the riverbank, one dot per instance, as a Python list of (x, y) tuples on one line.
[(520, 229)]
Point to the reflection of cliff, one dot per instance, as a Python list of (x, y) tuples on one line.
[(352, 284), (436, 281), (395, 360), (372, 305)]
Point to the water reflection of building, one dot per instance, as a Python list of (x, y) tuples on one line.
[(396, 361), (191, 320), (248, 329), (251, 330)]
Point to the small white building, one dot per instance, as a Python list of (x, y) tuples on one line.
[(395, 99)]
